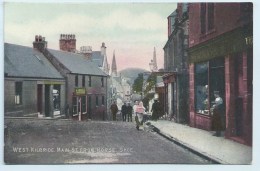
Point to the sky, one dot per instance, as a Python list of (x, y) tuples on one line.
[(131, 29)]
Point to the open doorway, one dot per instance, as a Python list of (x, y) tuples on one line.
[(56, 99)]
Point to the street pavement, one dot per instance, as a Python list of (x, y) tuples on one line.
[(42, 141), (219, 149)]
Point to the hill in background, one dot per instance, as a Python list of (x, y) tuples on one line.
[(131, 73)]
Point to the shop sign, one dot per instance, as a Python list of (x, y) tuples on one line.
[(80, 91)]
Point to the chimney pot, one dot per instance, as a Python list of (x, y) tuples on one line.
[(40, 38), (36, 38)]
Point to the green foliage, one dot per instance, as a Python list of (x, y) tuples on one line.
[(151, 81), (138, 83)]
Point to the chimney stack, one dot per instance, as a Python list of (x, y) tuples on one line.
[(68, 42), (103, 49), (86, 51), (39, 43)]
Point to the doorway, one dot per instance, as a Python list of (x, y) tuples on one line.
[(47, 100), (39, 98)]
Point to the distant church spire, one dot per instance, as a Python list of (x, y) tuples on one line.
[(154, 60), (153, 63), (114, 67)]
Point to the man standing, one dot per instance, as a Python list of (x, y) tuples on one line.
[(155, 110), (124, 112), (129, 112), (217, 114), (114, 110)]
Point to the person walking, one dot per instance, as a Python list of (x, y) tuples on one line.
[(124, 112), (114, 110), (217, 114), (129, 112), (140, 110)]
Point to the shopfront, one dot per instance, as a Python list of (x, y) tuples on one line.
[(223, 65)]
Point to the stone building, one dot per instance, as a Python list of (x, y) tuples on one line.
[(176, 65), (32, 85), (221, 59), (86, 83)]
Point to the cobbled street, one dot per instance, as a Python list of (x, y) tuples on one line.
[(32, 141)]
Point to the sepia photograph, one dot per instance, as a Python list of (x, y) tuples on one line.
[(128, 83)]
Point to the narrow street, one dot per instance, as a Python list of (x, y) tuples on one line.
[(31, 141)]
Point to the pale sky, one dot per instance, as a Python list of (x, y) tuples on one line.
[(131, 29)]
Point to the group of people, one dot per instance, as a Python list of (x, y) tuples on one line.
[(126, 111), (138, 110)]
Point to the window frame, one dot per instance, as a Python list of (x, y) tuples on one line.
[(18, 93)]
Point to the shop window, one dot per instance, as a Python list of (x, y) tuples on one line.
[(209, 78), (201, 88), (216, 79), (18, 92)]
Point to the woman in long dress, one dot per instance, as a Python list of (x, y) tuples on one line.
[(140, 110)]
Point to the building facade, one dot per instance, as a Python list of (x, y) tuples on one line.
[(32, 86), (221, 59), (176, 65), (86, 83)]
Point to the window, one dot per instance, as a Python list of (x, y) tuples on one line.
[(102, 81), (76, 80), (201, 88), (216, 79), (210, 16), (89, 81), (207, 11), (83, 81), (96, 100), (209, 78), (203, 18), (103, 100), (18, 92)]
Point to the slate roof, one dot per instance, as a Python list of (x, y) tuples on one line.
[(22, 61), (97, 58), (77, 63), (173, 14)]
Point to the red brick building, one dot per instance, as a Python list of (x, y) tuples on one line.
[(221, 59)]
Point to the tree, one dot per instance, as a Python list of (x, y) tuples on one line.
[(138, 83)]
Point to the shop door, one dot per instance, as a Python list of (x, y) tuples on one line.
[(238, 95)]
